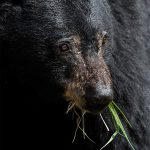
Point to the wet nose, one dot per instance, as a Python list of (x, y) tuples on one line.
[(97, 98)]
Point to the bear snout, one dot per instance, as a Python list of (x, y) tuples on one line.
[(90, 98), (97, 98)]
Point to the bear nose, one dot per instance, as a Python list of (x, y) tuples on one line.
[(97, 98)]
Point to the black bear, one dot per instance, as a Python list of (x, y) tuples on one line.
[(84, 54)]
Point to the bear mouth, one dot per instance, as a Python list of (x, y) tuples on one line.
[(90, 105)]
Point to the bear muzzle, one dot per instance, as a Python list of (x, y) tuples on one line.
[(91, 99)]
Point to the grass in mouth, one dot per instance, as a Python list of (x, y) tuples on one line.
[(118, 124), (119, 129)]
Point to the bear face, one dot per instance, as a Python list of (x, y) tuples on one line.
[(60, 50), (61, 45)]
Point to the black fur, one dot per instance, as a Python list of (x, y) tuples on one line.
[(33, 74)]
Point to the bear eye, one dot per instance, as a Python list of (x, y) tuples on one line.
[(64, 47)]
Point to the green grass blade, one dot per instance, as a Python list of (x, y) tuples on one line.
[(110, 140), (118, 122), (122, 113), (114, 122)]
